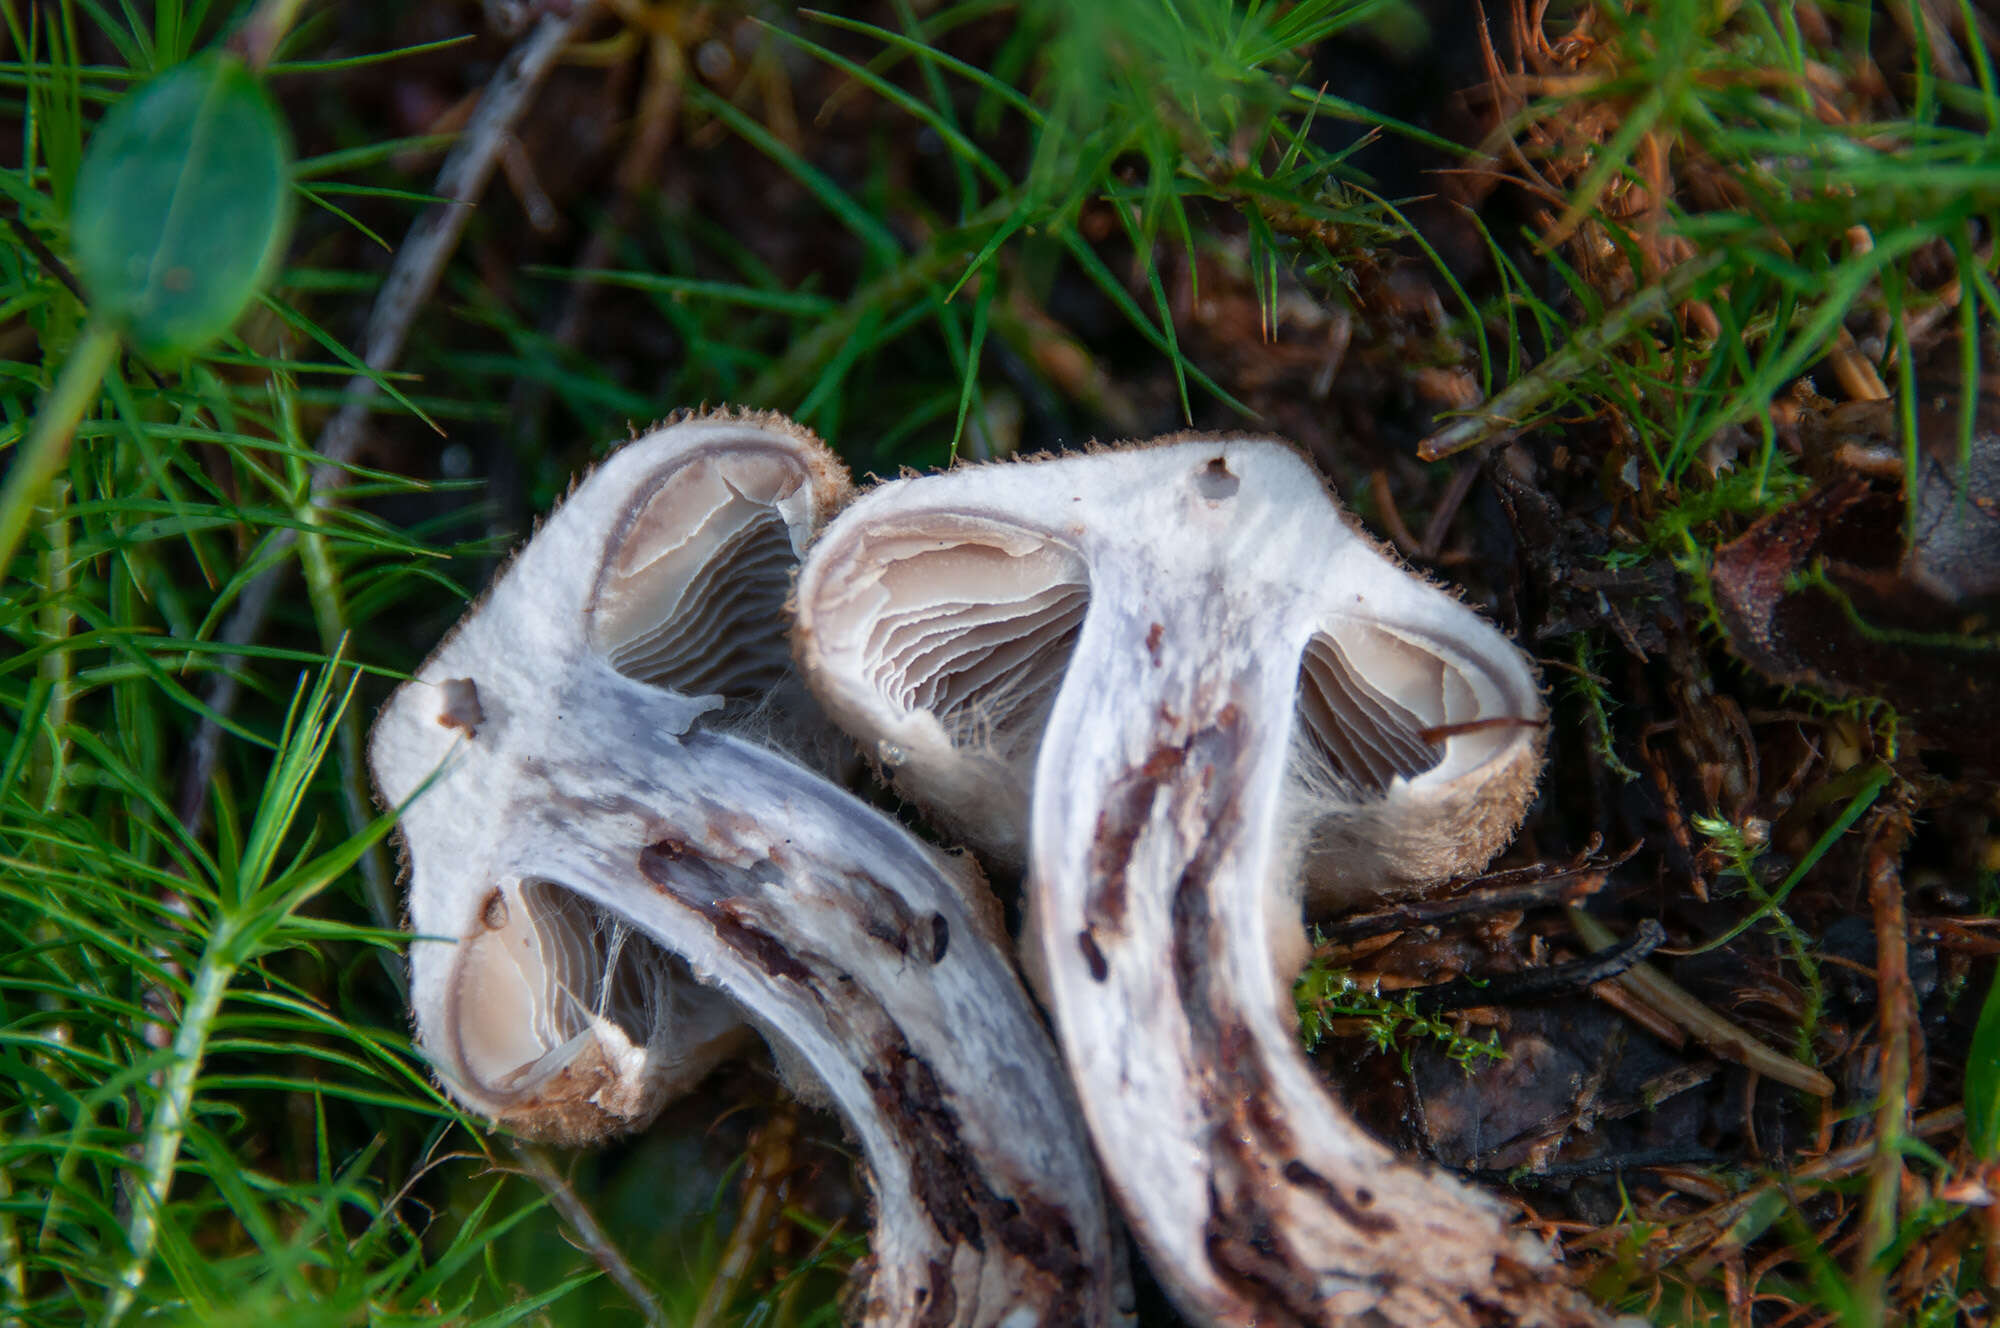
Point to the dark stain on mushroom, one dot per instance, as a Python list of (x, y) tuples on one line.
[(1119, 825), (1262, 1273), (1092, 956), (560, 806), (1210, 825), (731, 919), (884, 932), (669, 848), (1244, 1239), (682, 872), (727, 826), (461, 709), (1154, 635), (887, 918), (494, 911), (940, 937), (959, 1199), (1303, 1176), (937, 1302), (1215, 481)]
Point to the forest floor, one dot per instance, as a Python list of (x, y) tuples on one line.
[(1664, 332)]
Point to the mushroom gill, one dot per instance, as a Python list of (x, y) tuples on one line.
[(610, 881), (570, 1021), (1413, 757), (1254, 693), (946, 648), (694, 598)]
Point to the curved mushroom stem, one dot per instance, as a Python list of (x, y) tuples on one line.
[(1259, 1199), (607, 882), (1253, 693), (848, 943)]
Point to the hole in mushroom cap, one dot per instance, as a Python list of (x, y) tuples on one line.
[(693, 591), (550, 981), (975, 632), (1215, 481)]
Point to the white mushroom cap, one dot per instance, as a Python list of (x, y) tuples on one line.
[(538, 1009)]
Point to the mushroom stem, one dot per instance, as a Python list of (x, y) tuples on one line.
[(848, 944), (1259, 1199)]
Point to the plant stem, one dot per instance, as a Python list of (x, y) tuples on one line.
[(13, 1276), (41, 456), (1898, 1033), (56, 665), (780, 385), (409, 285), (1707, 1027), (323, 586), (590, 1233), (168, 1125), (1518, 402)]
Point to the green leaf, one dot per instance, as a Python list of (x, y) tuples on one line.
[(1982, 1079), (182, 204)]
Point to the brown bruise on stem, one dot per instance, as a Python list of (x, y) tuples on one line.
[(958, 1198), (1257, 1247)]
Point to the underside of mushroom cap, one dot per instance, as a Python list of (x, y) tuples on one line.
[(936, 618), (1414, 758), (693, 599), (941, 646), (568, 1024)]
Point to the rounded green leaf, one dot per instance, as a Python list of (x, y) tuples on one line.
[(182, 204)]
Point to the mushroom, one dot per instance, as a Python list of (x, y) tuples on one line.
[(1182, 685), (609, 877)]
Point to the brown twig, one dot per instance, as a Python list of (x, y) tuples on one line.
[(1542, 885), (1709, 1227), (655, 120), (1391, 516), (1901, 1042), (1664, 1030), (411, 280), (1439, 525), (766, 1179), (1703, 1024), (535, 1165)]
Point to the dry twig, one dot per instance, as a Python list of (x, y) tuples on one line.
[(409, 285), (536, 1166), (1705, 1025), (1901, 1045)]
